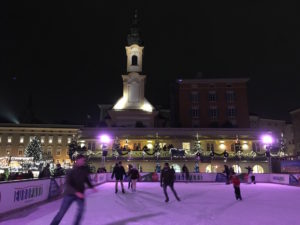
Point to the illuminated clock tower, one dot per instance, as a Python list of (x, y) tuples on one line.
[(133, 108)]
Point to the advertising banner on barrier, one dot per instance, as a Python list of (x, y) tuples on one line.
[(295, 179), (280, 178), (288, 166), (196, 177), (16, 195)]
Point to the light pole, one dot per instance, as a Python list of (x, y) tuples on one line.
[(267, 140), (104, 141)]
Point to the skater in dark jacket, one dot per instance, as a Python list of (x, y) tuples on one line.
[(227, 172), (236, 185), (119, 173), (167, 179), (134, 176), (75, 187), (129, 177)]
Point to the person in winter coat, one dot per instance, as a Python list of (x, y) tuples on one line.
[(236, 185), (75, 187), (134, 176), (45, 172), (167, 179), (227, 172), (128, 176), (119, 173), (59, 171)]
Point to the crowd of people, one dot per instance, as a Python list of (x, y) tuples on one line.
[(45, 173)]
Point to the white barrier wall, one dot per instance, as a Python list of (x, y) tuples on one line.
[(280, 178), (14, 195)]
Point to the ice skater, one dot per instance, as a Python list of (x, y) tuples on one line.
[(119, 173), (227, 172), (75, 186), (167, 179), (134, 176), (236, 185), (128, 177)]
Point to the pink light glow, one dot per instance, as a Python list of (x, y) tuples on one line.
[(267, 139), (104, 138)]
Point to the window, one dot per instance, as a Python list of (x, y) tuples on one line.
[(195, 97), (237, 169), (231, 112), (134, 60), (21, 139), (186, 145), (230, 96), (42, 139), (59, 140), (210, 147), (232, 147), (195, 113), (258, 169), (212, 96), (213, 113), (8, 151), (49, 151), (50, 139), (69, 140), (58, 151), (9, 139), (31, 138), (0, 138), (255, 147), (20, 152)]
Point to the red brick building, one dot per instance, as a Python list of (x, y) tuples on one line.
[(210, 103)]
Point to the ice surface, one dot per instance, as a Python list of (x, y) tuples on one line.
[(202, 203)]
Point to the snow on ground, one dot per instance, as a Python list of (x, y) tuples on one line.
[(202, 203)]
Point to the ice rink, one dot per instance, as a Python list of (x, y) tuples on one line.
[(201, 203)]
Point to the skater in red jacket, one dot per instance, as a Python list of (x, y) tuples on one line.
[(236, 184)]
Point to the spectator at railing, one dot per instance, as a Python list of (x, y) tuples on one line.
[(2, 177), (45, 172), (59, 171)]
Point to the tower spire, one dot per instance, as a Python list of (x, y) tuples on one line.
[(134, 35)]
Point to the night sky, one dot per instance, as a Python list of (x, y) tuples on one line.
[(69, 56)]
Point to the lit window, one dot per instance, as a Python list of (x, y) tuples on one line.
[(69, 140), (21, 139), (58, 151), (20, 152), (258, 169), (49, 151), (9, 139), (42, 139), (8, 151), (186, 145), (0, 139), (50, 140), (59, 140), (31, 138)]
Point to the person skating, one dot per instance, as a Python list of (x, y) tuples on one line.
[(75, 186), (236, 185), (128, 176), (134, 175), (227, 172), (119, 172), (167, 179)]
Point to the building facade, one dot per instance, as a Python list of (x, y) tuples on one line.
[(54, 139), (210, 103)]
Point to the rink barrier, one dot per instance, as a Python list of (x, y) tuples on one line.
[(19, 194), (23, 193)]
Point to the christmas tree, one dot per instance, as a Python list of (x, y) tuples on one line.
[(73, 147), (34, 149)]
